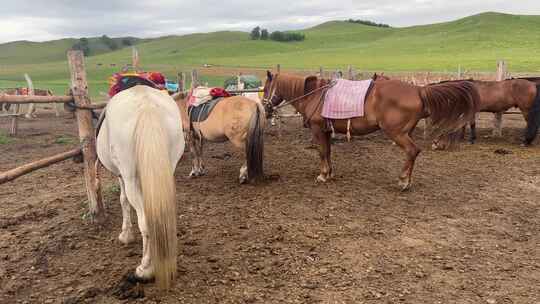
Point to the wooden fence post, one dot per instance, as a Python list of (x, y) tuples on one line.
[(31, 107), (278, 68), (181, 78), (194, 79), (350, 75), (14, 121), (79, 88), (497, 121)]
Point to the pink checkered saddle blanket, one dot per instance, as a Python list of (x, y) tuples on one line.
[(346, 99)]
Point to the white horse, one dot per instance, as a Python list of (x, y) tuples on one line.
[(141, 141)]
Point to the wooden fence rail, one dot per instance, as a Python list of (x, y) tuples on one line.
[(33, 166), (83, 107), (26, 99)]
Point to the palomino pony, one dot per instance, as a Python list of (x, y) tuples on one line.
[(237, 119), (392, 106), (499, 96), (141, 142)]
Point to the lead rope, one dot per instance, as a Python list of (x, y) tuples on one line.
[(283, 104)]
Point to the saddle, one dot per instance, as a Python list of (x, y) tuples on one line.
[(201, 112), (123, 81)]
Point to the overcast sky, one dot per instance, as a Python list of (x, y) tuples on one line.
[(40, 20)]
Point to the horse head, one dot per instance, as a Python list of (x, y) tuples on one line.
[(271, 97), (379, 77)]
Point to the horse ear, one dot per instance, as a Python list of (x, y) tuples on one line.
[(269, 75), (310, 84)]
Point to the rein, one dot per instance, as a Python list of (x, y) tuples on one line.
[(286, 103)]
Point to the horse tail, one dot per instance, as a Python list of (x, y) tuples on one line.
[(450, 105), (533, 119), (255, 144), (158, 189)]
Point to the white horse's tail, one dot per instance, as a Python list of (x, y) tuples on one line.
[(159, 192)]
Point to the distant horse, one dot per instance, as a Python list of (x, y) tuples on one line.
[(32, 107), (24, 91), (4, 106), (392, 106), (141, 141), (499, 96), (237, 119)]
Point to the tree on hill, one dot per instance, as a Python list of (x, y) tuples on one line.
[(255, 33), (109, 42), (264, 34), (287, 36), (82, 45), (368, 23), (127, 42)]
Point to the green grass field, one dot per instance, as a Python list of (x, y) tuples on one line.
[(475, 43)]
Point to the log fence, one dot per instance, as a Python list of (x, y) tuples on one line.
[(87, 148)]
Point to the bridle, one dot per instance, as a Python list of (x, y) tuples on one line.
[(285, 103)]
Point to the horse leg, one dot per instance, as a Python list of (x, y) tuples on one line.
[(240, 143), (324, 140), (56, 111), (472, 137), (126, 236), (196, 147), (412, 151), (463, 132), (30, 113), (145, 270)]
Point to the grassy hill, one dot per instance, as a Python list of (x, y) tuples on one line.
[(474, 42)]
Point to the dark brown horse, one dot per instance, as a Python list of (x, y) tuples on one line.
[(499, 96), (392, 106)]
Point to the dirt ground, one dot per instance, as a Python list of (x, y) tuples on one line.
[(468, 231)]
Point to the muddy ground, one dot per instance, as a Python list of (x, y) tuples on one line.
[(468, 231)]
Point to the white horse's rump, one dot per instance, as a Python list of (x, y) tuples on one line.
[(141, 141)]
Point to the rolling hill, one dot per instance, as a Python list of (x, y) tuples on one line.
[(474, 42)]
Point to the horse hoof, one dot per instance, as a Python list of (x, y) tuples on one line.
[(404, 185), (195, 173), (321, 179), (144, 275), (126, 237)]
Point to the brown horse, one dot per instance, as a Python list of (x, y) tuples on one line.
[(237, 119), (392, 106), (499, 96)]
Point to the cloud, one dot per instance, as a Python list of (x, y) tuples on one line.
[(49, 19)]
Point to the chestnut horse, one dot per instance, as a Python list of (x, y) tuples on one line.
[(392, 106), (499, 96), (237, 119)]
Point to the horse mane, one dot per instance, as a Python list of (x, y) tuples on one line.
[(451, 81), (533, 79), (450, 105), (292, 86)]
